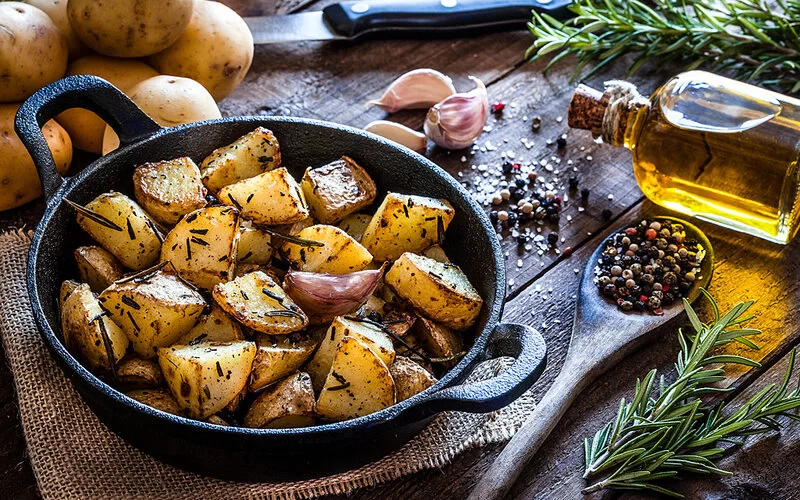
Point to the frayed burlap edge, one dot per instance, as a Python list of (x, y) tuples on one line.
[(74, 456)]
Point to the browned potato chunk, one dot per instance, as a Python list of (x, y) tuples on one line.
[(270, 198), (355, 224), (217, 420), (409, 378), (258, 302), (438, 340), (276, 358), (126, 231), (248, 156), (169, 189), (216, 326), (159, 399), (337, 189), (154, 312), (67, 287), (440, 291), (289, 404), (206, 377), (436, 253), (255, 245), (295, 227), (134, 372), (340, 254), (89, 332), (204, 245), (405, 223), (97, 267), (358, 384)]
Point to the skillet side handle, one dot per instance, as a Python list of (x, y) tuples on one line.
[(521, 342), (83, 91)]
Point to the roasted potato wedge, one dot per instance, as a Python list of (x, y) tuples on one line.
[(159, 399), (89, 332), (255, 245), (438, 340), (289, 404), (277, 357), (355, 224), (409, 378), (204, 245), (67, 287), (440, 291), (97, 267), (169, 189), (205, 378), (337, 189), (358, 384), (406, 223), (134, 372), (270, 198), (340, 254), (248, 156), (122, 228), (366, 332), (217, 420), (295, 227), (214, 326), (258, 302), (154, 312), (436, 252)]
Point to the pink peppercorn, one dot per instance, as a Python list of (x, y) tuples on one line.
[(650, 234), (498, 107)]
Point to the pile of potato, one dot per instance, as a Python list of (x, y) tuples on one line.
[(175, 58), (232, 293)]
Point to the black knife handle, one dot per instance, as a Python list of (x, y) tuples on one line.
[(426, 17)]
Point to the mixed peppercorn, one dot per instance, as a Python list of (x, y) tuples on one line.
[(649, 265)]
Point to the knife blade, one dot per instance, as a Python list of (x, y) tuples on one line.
[(407, 18)]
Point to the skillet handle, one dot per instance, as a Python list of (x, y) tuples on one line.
[(82, 91), (507, 339)]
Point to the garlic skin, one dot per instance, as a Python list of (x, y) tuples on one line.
[(417, 89), (400, 134), (459, 119)]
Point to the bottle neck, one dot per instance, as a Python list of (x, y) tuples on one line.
[(624, 114)]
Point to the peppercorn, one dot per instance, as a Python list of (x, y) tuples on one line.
[(567, 251), (536, 123), (507, 167), (512, 217), (561, 142), (375, 316), (626, 305), (498, 107), (520, 182), (606, 214), (493, 216), (552, 238)]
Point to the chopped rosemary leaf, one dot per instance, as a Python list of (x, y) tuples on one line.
[(93, 216)]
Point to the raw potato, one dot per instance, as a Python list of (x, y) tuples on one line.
[(134, 372), (409, 378), (19, 181), (67, 287), (438, 340), (337, 189), (129, 28), (97, 267), (33, 51), (278, 357), (203, 246), (288, 404), (215, 49), (134, 240), (365, 332), (204, 378), (255, 245), (154, 312), (258, 302), (89, 332), (269, 198), (159, 399), (56, 10), (340, 254), (215, 326), (86, 128), (358, 384), (248, 156), (441, 291), (169, 101), (405, 223), (167, 190)]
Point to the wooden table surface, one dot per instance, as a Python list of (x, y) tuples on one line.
[(333, 81)]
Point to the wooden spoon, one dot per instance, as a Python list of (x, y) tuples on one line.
[(602, 334)]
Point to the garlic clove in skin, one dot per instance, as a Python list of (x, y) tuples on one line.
[(400, 134), (459, 119), (417, 89)]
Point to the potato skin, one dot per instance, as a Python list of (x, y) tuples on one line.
[(97, 266), (84, 127), (169, 189), (19, 180), (129, 28), (289, 404), (215, 49), (409, 378), (337, 189), (33, 51), (57, 11)]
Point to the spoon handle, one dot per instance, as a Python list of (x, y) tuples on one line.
[(507, 467)]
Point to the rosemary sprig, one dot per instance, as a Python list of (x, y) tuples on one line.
[(754, 40), (667, 429)]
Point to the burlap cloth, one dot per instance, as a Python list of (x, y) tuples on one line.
[(73, 455)]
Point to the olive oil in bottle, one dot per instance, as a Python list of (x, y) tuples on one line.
[(707, 146)]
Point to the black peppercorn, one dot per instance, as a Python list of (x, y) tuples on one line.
[(552, 238), (493, 216), (606, 214), (561, 142), (585, 195), (508, 167), (520, 182)]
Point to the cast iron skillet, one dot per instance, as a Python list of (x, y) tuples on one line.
[(260, 454)]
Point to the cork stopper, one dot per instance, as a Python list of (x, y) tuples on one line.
[(587, 108)]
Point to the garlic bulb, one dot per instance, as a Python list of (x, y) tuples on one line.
[(417, 89), (458, 120), (400, 134)]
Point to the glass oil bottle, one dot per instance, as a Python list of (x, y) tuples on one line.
[(707, 146)]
